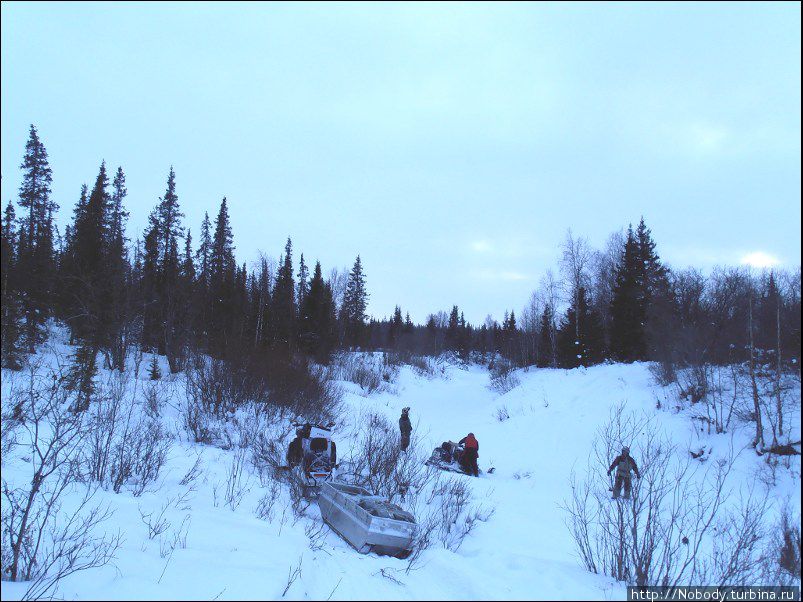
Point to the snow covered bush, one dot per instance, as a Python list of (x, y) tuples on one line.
[(363, 369), (127, 443), (503, 376), (681, 525), (378, 462), (49, 526)]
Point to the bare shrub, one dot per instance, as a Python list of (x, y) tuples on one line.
[(292, 575), (446, 514), (41, 541), (378, 463), (126, 443), (670, 533), (503, 376), (199, 424), (140, 455), (783, 551), (237, 480), (264, 509), (156, 522), (193, 474), (502, 413), (361, 370)]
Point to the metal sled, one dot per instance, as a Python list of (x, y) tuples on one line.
[(367, 522)]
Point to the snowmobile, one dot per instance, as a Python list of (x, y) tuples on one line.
[(448, 456), (311, 456)]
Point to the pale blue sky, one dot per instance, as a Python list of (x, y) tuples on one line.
[(450, 145)]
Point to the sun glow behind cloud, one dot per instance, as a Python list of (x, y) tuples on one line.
[(760, 259)]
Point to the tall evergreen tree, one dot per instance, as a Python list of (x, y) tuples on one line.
[(92, 302), (303, 281), (546, 339), (283, 302), (172, 334), (580, 338), (317, 335), (656, 298), (117, 269), (628, 311), (35, 253), (10, 328), (222, 274), (355, 303)]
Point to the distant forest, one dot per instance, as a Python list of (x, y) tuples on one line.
[(175, 295)]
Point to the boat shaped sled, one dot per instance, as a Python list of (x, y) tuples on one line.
[(368, 522)]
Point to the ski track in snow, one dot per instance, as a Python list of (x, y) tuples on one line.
[(523, 552)]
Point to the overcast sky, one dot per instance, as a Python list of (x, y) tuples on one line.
[(450, 145)]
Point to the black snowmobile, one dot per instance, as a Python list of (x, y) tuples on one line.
[(448, 456), (311, 456)]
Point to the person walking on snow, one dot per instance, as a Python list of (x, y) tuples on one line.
[(624, 465), (471, 449), (406, 428)]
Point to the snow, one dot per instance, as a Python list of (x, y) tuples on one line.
[(523, 552)]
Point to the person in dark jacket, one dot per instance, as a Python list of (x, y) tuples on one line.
[(406, 428), (471, 451), (624, 465)]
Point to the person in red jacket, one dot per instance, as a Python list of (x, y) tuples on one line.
[(468, 459)]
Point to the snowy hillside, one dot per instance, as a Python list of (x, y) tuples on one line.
[(213, 546)]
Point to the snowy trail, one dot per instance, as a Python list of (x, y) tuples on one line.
[(524, 550)]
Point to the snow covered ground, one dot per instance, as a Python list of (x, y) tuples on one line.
[(524, 551)]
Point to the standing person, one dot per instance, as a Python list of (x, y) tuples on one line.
[(406, 428), (624, 464), (471, 451)]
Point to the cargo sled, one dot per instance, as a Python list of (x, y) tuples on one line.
[(311, 456), (369, 523)]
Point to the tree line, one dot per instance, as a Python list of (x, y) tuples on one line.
[(165, 294), (161, 293)]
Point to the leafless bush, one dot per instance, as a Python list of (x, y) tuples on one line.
[(214, 386), (193, 474), (237, 480), (378, 462), (361, 370), (140, 455), (41, 541), (156, 522), (126, 443), (447, 514), (10, 421), (663, 373), (502, 413), (200, 425), (783, 551), (299, 502), (292, 576), (503, 376), (316, 531), (264, 509), (671, 531)]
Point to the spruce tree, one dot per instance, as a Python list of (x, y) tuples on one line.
[(120, 312), (317, 318), (580, 338), (355, 302), (283, 303), (222, 275), (546, 339), (35, 253), (10, 329), (628, 315), (303, 281)]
